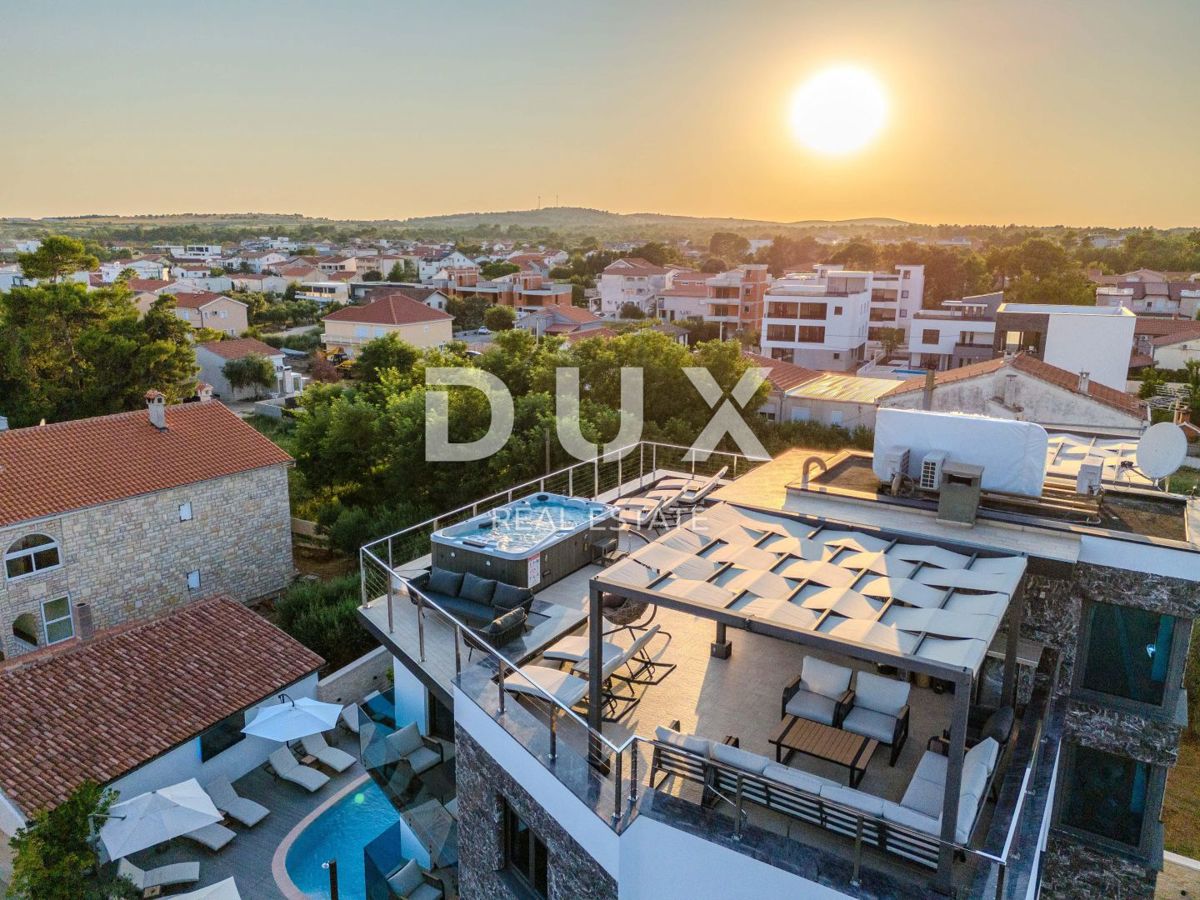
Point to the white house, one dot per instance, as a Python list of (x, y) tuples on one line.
[(143, 268), (818, 320), (1080, 339), (961, 332), (631, 280), (212, 356), (428, 267)]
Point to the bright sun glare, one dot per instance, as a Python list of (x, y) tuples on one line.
[(839, 110)]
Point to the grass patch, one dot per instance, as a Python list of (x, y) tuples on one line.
[(1181, 805), (1185, 480)]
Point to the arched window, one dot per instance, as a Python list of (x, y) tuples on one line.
[(32, 553), (25, 628)]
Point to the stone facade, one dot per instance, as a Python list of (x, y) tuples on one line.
[(1072, 870), (482, 786), (130, 559)]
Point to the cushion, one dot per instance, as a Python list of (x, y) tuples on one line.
[(443, 581), (425, 892), (807, 705), (984, 753), (509, 620), (406, 740), (870, 724), (923, 796), (407, 880), (825, 678), (509, 596), (422, 759), (476, 589), (687, 742), (885, 695), (932, 767), (797, 778), (910, 818), (968, 806), (738, 758), (998, 726), (974, 779), (847, 796)]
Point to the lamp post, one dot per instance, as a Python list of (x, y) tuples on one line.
[(330, 865)]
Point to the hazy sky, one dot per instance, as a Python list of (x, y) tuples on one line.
[(1033, 112)]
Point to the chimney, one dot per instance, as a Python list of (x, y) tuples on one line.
[(85, 625), (927, 399), (1084, 381), (156, 403), (204, 391), (1010, 390)]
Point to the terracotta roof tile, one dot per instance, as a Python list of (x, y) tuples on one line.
[(52, 469), (783, 375), (99, 709), (196, 299), (147, 285), (582, 334), (239, 347), (390, 309), (633, 265), (1160, 325)]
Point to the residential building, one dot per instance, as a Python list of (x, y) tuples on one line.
[(369, 290), (394, 313), (1028, 633), (192, 252), (960, 333), (263, 260), (201, 309), (430, 265), (561, 320), (826, 398), (323, 291), (686, 298), (11, 276), (299, 272), (1081, 339), (212, 357), (332, 264), (518, 290), (895, 298), (1027, 389), (734, 299), (631, 280), (135, 513), (818, 320), (1160, 298), (166, 700), (148, 269), (264, 282)]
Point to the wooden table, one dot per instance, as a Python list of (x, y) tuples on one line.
[(845, 748)]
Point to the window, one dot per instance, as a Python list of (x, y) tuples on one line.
[(185, 511), (1106, 795), (56, 620), (837, 310), (222, 736), (524, 853), (810, 334), (904, 295), (1126, 652), (193, 580), (904, 313), (929, 336), (32, 553), (25, 629), (781, 333)]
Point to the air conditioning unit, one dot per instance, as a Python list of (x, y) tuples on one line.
[(895, 462), (1091, 472), (931, 471)]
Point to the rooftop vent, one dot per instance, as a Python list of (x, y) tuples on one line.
[(156, 404)]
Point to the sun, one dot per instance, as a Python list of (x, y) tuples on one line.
[(839, 110)]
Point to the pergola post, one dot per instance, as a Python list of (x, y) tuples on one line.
[(721, 647), (595, 672), (1016, 610), (944, 881)]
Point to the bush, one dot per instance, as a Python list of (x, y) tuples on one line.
[(322, 615), (349, 527)]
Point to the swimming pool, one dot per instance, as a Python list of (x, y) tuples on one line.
[(909, 371), (341, 833)]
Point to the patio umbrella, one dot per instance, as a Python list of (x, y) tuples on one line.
[(158, 816), (222, 890), (293, 719)]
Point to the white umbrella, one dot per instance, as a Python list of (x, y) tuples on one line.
[(222, 890), (158, 816), (293, 719)]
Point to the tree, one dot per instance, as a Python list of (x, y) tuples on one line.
[(372, 275), (396, 273), (498, 269), (381, 354), (252, 370), (727, 245), (57, 257), (630, 310), (55, 854), (891, 338), (500, 318), (468, 311), (323, 371), (714, 264)]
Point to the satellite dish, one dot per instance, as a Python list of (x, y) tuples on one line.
[(1161, 450)]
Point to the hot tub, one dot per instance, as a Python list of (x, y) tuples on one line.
[(530, 542)]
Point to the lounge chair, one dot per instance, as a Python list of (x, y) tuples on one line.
[(564, 687), (288, 768), (420, 752), (163, 876), (645, 512), (880, 711), (636, 658), (338, 760), (349, 718), (452, 806), (694, 489), (240, 809), (411, 882), (820, 693), (214, 836)]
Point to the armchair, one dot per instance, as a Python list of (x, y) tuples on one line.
[(420, 752), (880, 711), (411, 882), (821, 693)]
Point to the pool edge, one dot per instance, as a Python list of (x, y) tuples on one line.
[(279, 872)]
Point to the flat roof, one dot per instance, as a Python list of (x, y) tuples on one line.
[(1064, 309), (843, 388)]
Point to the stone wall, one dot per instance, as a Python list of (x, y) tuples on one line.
[(355, 680), (130, 559), (482, 782), (1072, 870)]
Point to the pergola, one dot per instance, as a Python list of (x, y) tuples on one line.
[(919, 605)]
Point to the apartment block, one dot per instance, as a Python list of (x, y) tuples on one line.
[(1081, 339), (962, 332), (818, 320)]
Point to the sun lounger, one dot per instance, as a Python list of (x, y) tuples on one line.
[(214, 836), (338, 760), (350, 718), (645, 512), (287, 768), (564, 687), (240, 809), (163, 876), (694, 489)]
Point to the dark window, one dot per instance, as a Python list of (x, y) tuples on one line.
[(222, 736), (1106, 795), (524, 853), (32, 553), (781, 332), (929, 336), (810, 334), (1128, 652), (837, 310), (813, 311)]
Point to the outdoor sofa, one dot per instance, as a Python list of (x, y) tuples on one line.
[(478, 602)]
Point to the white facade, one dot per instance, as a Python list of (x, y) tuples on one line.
[(195, 252), (427, 269), (818, 321), (627, 281), (1091, 339), (148, 269)]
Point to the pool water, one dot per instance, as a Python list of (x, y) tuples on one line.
[(524, 525), (909, 371), (341, 833)]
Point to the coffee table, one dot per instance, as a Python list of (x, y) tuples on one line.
[(845, 748)]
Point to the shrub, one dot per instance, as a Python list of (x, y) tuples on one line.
[(322, 615)]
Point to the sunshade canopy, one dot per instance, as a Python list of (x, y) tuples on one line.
[(149, 819), (293, 719)]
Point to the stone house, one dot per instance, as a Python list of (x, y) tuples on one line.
[(202, 309), (212, 356), (135, 513), (394, 313)]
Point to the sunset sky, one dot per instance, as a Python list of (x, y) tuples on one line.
[(1032, 112)]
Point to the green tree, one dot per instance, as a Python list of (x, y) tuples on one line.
[(891, 339), (500, 318), (498, 269), (372, 275), (727, 245), (57, 257), (468, 311), (396, 273), (381, 354), (630, 310), (251, 371), (55, 854), (714, 264)]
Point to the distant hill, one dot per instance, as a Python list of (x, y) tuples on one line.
[(562, 217)]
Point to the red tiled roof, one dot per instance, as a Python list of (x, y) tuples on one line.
[(575, 314), (1042, 371), (52, 469), (633, 265), (783, 375), (1160, 325), (239, 347), (197, 299), (583, 334), (1178, 336), (147, 285), (391, 309), (99, 709)]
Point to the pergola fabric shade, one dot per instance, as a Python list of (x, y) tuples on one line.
[(907, 599)]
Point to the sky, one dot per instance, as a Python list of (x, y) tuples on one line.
[(1039, 113)]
